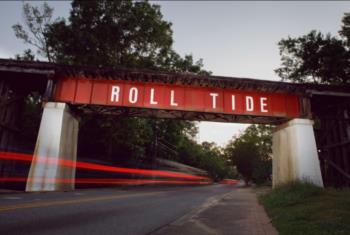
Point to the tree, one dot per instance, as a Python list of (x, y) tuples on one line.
[(111, 33), (244, 156), (207, 156), (214, 161), (27, 55), (251, 153), (316, 57), (117, 33), (104, 33), (36, 22)]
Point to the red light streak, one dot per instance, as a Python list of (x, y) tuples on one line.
[(229, 181), (103, 181), (98, 167)]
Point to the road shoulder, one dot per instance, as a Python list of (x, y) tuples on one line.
[(237, 212)]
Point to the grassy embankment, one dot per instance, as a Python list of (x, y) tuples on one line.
[(301, 208)]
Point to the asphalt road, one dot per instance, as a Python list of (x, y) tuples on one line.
[(142, 210)]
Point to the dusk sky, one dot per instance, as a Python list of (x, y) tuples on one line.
[(237, 39)]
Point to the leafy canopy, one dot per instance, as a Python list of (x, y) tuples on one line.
[(251, 153), (317, 58)]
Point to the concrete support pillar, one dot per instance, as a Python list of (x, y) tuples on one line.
[(295, 154), (56, 144)]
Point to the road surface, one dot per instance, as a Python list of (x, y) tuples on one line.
[(142, 210)]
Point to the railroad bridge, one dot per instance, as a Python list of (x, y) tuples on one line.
[(311, 140)]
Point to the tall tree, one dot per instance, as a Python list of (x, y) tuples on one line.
[(111, 33), (36, 25), (317, 58), (251, 153)]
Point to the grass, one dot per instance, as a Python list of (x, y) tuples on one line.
[(302, 208)]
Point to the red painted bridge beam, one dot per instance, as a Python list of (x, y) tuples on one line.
[(81, 90)]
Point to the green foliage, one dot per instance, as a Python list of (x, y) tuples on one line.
[(207, 156), (302, 208), (105, 33), (173, 133), (251, 153), (316, 58), (117, 33), (111, 33), (213, 161), (119, 140), (244, 156)]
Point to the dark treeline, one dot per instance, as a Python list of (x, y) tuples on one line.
[(317, 57)]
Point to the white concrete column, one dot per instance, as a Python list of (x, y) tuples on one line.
[(295, 154), (56, 144)]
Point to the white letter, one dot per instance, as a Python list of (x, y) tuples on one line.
[(233, 105), (263, 104), (115, 94), (133, 93), (249, 103), (172, 98), (214, 95), (152, 101)]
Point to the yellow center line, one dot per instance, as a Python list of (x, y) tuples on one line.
[(74, 201)]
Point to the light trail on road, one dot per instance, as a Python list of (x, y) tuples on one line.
[(181, 177), (115, 181)]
